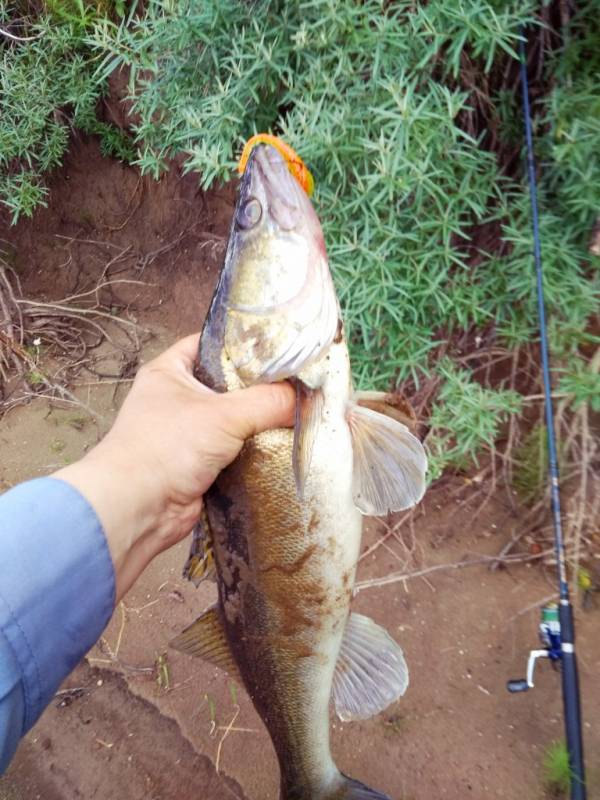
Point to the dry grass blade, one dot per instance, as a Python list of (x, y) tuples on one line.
[(226, 733)]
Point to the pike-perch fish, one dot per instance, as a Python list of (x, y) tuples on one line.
[(281, 528)]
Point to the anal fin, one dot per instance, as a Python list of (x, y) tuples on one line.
[(370, 672), (205, 638)]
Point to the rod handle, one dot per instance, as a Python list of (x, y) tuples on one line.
[(572, 707)]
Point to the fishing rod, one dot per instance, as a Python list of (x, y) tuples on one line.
[(557, 627)]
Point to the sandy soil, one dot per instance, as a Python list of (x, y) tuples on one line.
[(143, 721)]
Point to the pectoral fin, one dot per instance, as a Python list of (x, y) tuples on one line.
[(309, 409), (392, 404), (200, 564), (206, 639), (370, 672), (389, 462)]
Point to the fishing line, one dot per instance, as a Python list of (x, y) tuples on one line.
[(557, 630)]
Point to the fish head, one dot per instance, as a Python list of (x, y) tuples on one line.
[(281, 308), (272, 201)]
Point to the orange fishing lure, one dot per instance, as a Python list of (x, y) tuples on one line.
[(295, 164)]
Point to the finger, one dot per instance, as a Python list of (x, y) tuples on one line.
[(259, 408), (184, 352)]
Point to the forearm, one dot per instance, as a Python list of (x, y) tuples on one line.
[(57, 593)]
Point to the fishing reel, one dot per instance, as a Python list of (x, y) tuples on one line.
[(549, 633)]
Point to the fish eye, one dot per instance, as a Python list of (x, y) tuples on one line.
[(249, 214)]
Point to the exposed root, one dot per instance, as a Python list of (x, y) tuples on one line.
[(45, 346)]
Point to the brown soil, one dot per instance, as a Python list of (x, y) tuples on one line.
[(125, 734), (118, 740)]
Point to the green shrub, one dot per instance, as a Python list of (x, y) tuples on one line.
[(465, 418), (382, 100), (372, 95), (47, 85)]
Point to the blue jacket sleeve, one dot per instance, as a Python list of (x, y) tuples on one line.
[(57, 592)]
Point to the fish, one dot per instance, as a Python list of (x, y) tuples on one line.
[(281, 527)]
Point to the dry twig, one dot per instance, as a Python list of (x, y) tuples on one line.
[(396, 577)]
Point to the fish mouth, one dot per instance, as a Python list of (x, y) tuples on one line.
[(269, 162), (267, 175)]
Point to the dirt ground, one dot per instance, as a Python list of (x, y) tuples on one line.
[(136, 720)]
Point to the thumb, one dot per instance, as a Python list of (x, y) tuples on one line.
[(259, 408)]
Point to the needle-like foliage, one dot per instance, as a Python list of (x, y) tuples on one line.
[(374, 97)]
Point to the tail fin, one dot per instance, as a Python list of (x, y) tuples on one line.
[(355, 790), (343, 788)]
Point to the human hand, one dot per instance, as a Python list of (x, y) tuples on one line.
[(170, 440)]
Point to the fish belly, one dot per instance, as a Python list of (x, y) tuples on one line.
[(285, 572)]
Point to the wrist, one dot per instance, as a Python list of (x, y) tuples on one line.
[(130, 512)]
